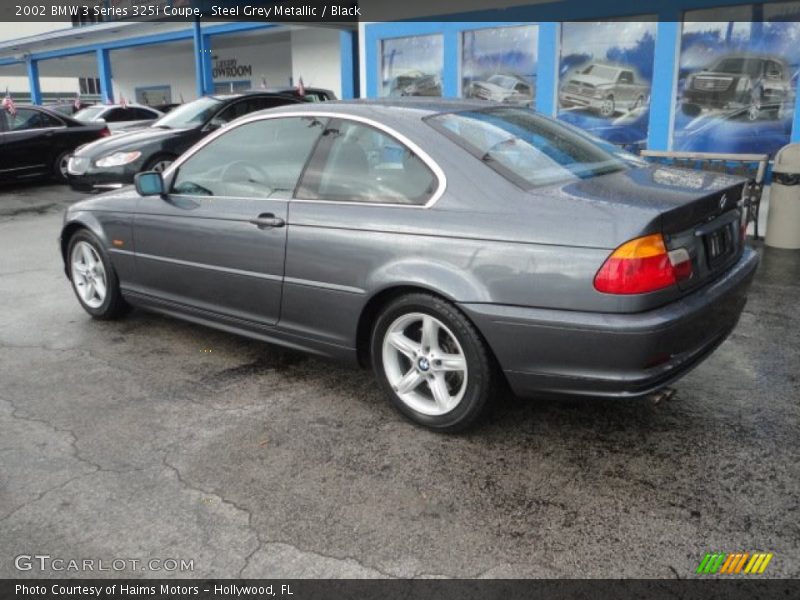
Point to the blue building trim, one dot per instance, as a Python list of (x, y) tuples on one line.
[(33, 81), (663, 90), (208, 66), (104, 75), (547, 67), (199, 64), (348, 59)]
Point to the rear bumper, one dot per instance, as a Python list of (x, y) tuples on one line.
[(546, 351)]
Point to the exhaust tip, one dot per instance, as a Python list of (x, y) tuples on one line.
[(662, 395)]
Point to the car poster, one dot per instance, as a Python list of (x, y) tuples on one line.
[(605, 74), (737, 79), (412, 66), (499, 64)]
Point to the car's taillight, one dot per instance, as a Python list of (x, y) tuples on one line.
[(643, 265), (105, 132)]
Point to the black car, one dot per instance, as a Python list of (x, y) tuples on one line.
[(36, 142), (113, 162)]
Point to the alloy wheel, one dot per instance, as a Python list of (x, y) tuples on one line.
[(88, 274), (161, 166), (425, 364)]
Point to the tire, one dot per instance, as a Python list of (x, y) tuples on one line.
[(157, 163), (608, 107), (59, 169), (464, 394), (83, 250)]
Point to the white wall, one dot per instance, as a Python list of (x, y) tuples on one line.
[(316, 57), (269, 55), (164, 64)]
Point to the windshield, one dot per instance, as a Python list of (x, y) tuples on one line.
[(601, 71), (502, 80), (751, 66), (189, 115), (529, 149), (89, 114)]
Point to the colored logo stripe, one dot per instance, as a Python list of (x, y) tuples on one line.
[(734, 563)]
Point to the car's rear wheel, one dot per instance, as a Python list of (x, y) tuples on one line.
[(93, 277), (60, 166), (432, 362)]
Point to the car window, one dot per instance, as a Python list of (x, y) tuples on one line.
[(526, 148), (626, 77), (244, 107), (358, 163), (27, 118), (260, 159), (141, 114), (117, 115)]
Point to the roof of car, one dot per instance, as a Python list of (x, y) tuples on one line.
[(420, 106)]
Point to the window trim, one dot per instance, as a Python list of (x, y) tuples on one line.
[(327, 114)]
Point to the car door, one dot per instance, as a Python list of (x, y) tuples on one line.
[(625, 88), (360, 187), (216, 242), (29, 142)]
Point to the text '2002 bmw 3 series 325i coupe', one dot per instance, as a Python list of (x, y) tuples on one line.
[(449, 245)]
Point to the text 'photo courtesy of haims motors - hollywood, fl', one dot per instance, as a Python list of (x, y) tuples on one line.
[(313, 299)]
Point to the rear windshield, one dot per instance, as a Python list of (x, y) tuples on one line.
[(526, 148)]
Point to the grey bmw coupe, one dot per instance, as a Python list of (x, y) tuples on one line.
[(449, 245)]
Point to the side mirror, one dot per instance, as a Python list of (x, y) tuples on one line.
[(149, 183)]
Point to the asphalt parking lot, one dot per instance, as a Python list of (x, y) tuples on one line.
[(153, 438)]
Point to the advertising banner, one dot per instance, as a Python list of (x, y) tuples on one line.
[(499, 64), (737, 80), (605, 74)]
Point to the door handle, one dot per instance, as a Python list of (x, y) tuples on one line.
[(267, 220)]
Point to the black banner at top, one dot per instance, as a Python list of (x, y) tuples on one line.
[(350, 12)]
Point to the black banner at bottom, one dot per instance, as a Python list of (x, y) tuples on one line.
[(360, 589)]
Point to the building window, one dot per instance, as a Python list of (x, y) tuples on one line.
[(499, 64), (606, 70), (736, 85), (412, 66)]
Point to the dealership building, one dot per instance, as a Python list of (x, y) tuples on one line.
[(697, 75)]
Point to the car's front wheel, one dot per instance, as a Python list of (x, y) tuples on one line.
[(608, 107), (93, 277), (432, 362)]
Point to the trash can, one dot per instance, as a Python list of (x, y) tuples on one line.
[(783, 218)]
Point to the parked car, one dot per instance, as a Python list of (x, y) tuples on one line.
[(36, 142), (113, 162), (755, 83), (416, 83), (375, 235), (605, 89), (67, 107), (510, 89), (311, 94), (118, 116)]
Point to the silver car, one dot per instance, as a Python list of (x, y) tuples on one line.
[(450, 245)]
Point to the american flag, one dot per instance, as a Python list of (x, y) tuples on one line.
[(301, 89), (8, 104)]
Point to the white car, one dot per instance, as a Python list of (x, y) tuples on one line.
[(117, 116)]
